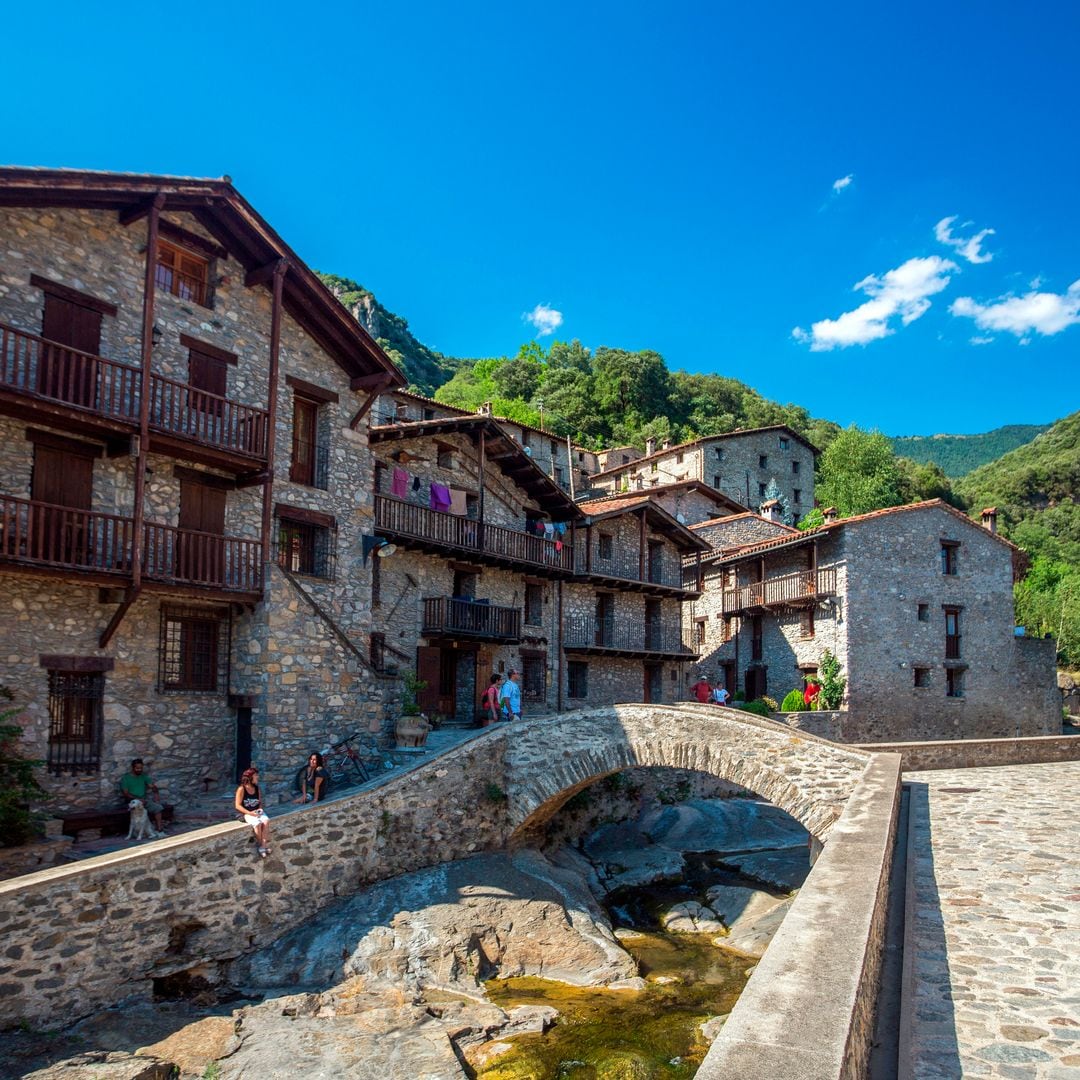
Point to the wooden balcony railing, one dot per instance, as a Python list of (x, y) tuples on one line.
[(43, 369), (187, 557), (43, 534), (470, 618), (407, 519), (625, 564), (952, 646), (179, 409), (650, 636), (789, 589)]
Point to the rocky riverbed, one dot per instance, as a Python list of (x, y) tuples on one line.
[(615, 958)]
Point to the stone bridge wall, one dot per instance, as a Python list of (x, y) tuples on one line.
[(978, 753)]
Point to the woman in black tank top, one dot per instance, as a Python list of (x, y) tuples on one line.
[(249, 806)]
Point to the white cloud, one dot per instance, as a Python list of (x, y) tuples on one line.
[(980, 339), (1036, 312), (843, 182), (971, 248), (902, 292), (545, 319)]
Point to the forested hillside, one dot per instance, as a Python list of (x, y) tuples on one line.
[(960, 454)]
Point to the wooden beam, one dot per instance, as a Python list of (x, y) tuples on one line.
[(370, 382), (130, 214), (265, 274), (130, 596), (366, 407), (310, 390), (281, 266), (246, 480)]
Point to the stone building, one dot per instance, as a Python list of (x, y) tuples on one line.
[(185, 484), (740, 464), (690, 502), (915, 601)]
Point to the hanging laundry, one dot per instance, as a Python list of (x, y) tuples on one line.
[(440, 497), (549, 532), (558, 545), (458, 503), (416, 483), (400, 483)]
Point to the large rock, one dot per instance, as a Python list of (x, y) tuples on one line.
[(691, 917), (738, 907), (785, 869), (193, 1047), (451, 927), (752, 937), (722, 825)]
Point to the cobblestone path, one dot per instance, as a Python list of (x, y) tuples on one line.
[(995, 969)]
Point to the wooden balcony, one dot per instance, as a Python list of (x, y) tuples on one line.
[(651, 639), (663, 575), (433, 530), (45, 538), (446, 616), (801, 589)]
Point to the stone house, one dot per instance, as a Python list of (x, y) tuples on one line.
[(185, 485), (740, 464), (915, 601), (690, 502)]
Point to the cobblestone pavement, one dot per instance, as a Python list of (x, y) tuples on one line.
[(995, 968)]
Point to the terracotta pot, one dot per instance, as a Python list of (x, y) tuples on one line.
[(411, 731)]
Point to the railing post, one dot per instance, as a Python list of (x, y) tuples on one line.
[(280, 268)]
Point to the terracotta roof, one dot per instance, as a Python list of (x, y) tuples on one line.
[(699, 485), (708, 439), (625, 504), (224, 213)]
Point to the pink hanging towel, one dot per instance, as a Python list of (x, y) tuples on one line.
[(400, 483)]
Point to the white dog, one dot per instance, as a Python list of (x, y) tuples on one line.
[(140, 827)]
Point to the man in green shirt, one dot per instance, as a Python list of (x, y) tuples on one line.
[(139, 784)]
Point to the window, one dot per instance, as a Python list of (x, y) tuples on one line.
[(761, 489), (309, 459), (429, 414), (795, 467), (806, 623), (716, 480), (444, 456), (700, 631), (949, 551), (534, 604), (727, 628), (796, 495), (580, 456), (679, 458), (75, 725), (533, 677), (554, 448), (954, 682), (952, 633), (655, 466), (763, 461), (305, 547), (719, 453), (377, 650), (924, 613), (525, 438), (626, 459), (783, 443), (182, 273), (577, 674), (193, 652), (559, 477), (607, 546), (922, 677), (756, 646)]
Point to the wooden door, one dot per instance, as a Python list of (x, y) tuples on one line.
[(200, 553), (60, 479), (206, 375), (429, 671), (653, 690), (62, 373)]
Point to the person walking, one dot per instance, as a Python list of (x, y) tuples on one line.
[(249, 806), (720, 694), (490, 700), (702, 690), (510, 697)]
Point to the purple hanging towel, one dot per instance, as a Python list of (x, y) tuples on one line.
[(440, 497), (400, 483)]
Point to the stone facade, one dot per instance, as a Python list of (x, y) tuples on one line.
[(738, 529), (886, 625)]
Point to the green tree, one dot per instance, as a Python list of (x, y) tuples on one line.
[(772, 491), (631, 382), (832, 682), (858, 473), (18, 784), (572, 355), (521, 377), (919, 481)]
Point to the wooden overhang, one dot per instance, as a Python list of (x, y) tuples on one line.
[(500, 450), (661, 521), (643, 652), (235, 225)]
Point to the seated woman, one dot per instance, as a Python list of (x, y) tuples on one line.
[(314, 780), (249, 806)]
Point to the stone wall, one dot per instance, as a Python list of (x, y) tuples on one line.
[(739, 529), (980, 753)]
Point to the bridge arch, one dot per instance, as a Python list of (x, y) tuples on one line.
[(549, 761)]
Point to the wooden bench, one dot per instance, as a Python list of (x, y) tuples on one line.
[(107, 822)]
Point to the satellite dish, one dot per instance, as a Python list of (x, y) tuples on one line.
[(680, 518)]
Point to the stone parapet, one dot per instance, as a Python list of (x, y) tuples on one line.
[(979, 753)]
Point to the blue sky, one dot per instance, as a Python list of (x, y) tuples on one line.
[(644, 178)]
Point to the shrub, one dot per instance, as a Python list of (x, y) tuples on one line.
[(832, 683), (771, 702), (739, 696), (494, 793), (18, 785), (794, 701), (758, 708)]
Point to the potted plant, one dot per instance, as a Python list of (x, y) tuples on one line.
[(412, 727)]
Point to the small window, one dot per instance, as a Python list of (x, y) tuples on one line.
[(806, 623), (444, 456), (580, 456), (795, 467), (719, 453), (655, 466), (607, 546), (797, 495), (716, 480), (182, 273), (559, 476), (577, 672), (306, 549), (700, 631), (75, 721), (949, 562), (922, 677), (429, 414), (954, 682), (534, 605), (554, 448), (626, 459), (727, 628), (679, 458), (924, 613), (763, 461), (761, 489), (309, 458), (533, 678), (783, 443), (193, 652)]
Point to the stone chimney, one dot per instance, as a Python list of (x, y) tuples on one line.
[(989, 519), (830, 513), (485, 409), (666, 444), (771, 509), (650, 446)]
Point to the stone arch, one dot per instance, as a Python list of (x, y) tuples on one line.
[(547, 762)]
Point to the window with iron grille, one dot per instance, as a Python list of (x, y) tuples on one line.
[(534, 605), (304, 548), (533, 681), (182, 273), (607, 546), (75, 721), (193, 652), (577, 674), (954, 682)]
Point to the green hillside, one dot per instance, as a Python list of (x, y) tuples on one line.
[(960, 454)]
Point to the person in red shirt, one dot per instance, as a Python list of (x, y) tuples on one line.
[(811, 692), (702, 690)]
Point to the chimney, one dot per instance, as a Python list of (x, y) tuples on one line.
[(771, 509), (485, 409), (830, 514), (989, 519), (650, 446), (666, 444)]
